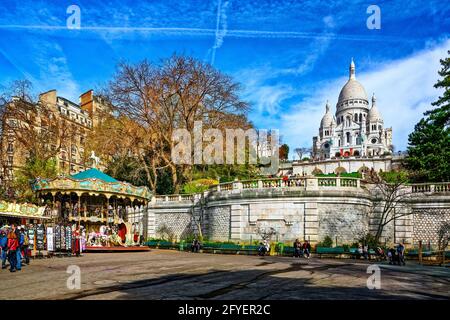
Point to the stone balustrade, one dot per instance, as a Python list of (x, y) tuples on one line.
[(302, 183), (430, 187)]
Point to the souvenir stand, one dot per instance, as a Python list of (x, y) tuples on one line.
[(33, 218), (94, 208)]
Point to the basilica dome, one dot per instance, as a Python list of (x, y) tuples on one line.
[(374, 114), (352, 90), (327, 119)]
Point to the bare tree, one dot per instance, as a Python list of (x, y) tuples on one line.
[(443, 236), (391, 199), (266, 233), (32, 126), (302, 151), (162, 98)]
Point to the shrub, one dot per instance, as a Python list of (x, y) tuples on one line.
[(327, 242), (198, 185), (369, 240)]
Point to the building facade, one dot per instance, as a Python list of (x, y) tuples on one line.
[(353, 138), (74, 122), (355, 129)]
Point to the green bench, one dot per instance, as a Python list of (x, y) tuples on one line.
[(286, 251), (355, 253), (162, 244), (415, 253), (229, 248), (329, 251), (250, 249)]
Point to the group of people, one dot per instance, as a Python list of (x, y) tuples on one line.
[(397, 255), (195, 246), (14, 244), (264, 247), (302, 250)]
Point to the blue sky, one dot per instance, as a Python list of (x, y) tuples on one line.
[(289, 56)]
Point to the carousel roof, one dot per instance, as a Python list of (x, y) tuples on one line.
[(93, 174), (93, 182)]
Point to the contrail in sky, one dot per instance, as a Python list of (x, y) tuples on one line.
[(220, 32), (175, 31)]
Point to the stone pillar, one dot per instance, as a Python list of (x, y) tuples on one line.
[(311, 183), (151, 223), (235, 222), (403, 226), (311, 222)]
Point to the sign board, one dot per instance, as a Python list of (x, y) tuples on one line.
[(57, 237), (50, 239), (68, 238), (31, 234), (40, 237), (63, 238)]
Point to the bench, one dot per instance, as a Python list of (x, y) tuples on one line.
[(287, 251), (354, 253), (329, 251), (162, 244), (250, 250), (224, 248)]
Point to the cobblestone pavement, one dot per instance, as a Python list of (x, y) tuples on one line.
[(165, 274)]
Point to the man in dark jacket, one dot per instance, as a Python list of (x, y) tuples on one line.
[(3, 246), (297, 248), (306, 249), (20, 239)]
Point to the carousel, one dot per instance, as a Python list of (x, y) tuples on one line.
[(107, 213)]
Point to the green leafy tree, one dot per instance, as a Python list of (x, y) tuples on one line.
[(34, 168), (429, 143)]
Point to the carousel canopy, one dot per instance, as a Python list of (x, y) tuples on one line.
[(22, 210), (93, 174), (93, 182)]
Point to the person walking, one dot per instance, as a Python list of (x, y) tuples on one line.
[(195, 246), (13, 245), (401, 254), (25, 247), (4, 246), (306, 249), (267, 245), (297, 248), (366, 251), (20, 239)]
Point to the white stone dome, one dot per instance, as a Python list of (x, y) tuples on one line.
[(352, 90), (327, 119), (374, 114)]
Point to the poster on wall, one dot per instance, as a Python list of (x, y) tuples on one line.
[(63, 238), (40, 237), (31, 234), (68, 238), (57, 238), (50, 239)]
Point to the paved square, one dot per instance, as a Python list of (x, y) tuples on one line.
[(165, 274)]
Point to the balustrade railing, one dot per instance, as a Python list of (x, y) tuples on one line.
[(305, 183), (326, 182), (430, 187)]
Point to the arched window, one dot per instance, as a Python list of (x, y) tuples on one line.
[(360, 117), (356, 117), (348, 137)]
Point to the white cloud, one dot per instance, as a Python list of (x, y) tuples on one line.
[(53, 70), (404, 90)]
